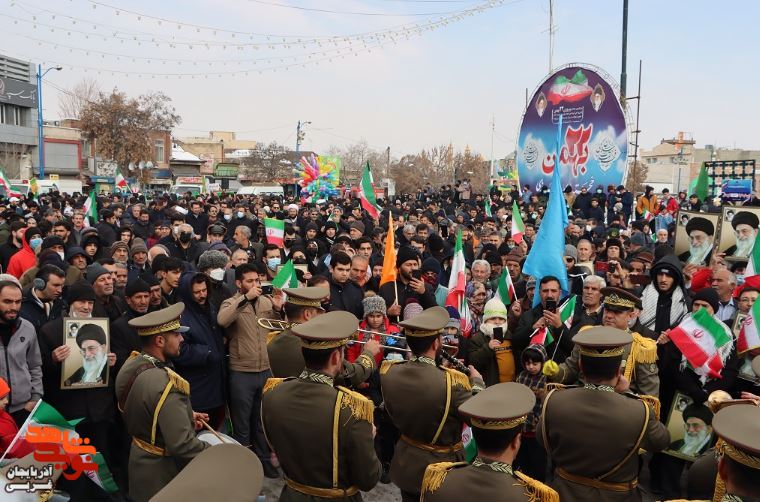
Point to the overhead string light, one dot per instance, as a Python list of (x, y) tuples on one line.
[(283, 40)]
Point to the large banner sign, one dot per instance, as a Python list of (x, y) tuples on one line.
[(594, 138)]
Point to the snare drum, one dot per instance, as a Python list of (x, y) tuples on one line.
[(210, 438)]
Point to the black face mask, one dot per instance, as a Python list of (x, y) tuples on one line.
[(299, 261), (311, 252), (185, 237), (289, 242)]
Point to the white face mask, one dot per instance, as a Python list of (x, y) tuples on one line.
[(217, 274), (61, 254)]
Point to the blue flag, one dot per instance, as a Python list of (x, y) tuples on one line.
[(546, 256)]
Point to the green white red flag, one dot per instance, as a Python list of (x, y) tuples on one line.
[(275, 231), (518, 228), (566, 311), (457, 282), (704, 341), (91, 209), (286, 277), (5, 182), (749, 335), (542, 336), (646, 214), (753, 264), (505, 287), (367, 193), (488, 207)]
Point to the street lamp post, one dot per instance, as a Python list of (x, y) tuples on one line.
[(40, 141)]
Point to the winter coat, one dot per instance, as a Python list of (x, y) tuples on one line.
[(201, 356), (354, 350), (23, 260), (21, 365)]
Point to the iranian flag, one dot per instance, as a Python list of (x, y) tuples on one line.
[(541, 336), (91, 209), (488, 207), (704, 341), (468, 440), (286, 277), (518, 229), (120, 182), (7, 185), (44, 417), (749, 336), (457, 282), (275, 231), (367, 193), (753, 264), (506, 288), (566, 311), (646, 214)]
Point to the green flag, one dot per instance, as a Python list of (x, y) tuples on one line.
[(702, 186), (286, 277)]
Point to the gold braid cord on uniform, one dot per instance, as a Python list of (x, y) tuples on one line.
[(366, 361), (643, 351), (178, 382), (272, 335), (386, 365), (535, 490), (436, 473), (361, 407), (653, 402), (459, 379), (740, 456), (271, 383), (720, 485), (497, 424)]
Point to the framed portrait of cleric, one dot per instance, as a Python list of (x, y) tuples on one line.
[(738, 231), (690, 427), (87, 363), (695, 236)]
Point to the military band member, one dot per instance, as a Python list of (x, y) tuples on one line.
[(422, 400), (738, 428), (155, 405), (496, 416), (640, 357), (593, 433), (322, 434), (284, 348)]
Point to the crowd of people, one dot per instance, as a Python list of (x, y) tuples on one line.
[(240, 347)]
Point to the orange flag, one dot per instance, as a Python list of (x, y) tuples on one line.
[(389, 259)]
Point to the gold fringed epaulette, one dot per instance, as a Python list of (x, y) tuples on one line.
[(271, 383), (361, 407), (459, 379), (386, 365), (535, 490), (436, 473), (178, 382), (653, 402), (133, 355), (720, 485), (271, 336), (643, 350)]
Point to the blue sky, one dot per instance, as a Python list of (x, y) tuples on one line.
[(700, 66)]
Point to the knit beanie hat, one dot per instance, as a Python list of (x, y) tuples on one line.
[(94, 271), (534, 352), (412, 309), (118, 245), (138, 246), (571, 251), (494, 308), (373, 304), (431, 265), (710, 296), (80, 291), (406, 253)]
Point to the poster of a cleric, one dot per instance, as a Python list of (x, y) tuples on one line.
[(738, 232), (593, 149), (88, 359)]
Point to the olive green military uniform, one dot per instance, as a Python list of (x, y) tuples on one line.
[(322, 434), (738, 429), (502, 407), (593, 434), (155, 405), (284, 348), (640, 357), (422, 400)]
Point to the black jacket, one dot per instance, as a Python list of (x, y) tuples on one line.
[(521, 337), (108, 233), (389, 289), (199, 223), (347, 296), (124, 339), (34, 312)]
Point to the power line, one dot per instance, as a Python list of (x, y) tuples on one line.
[(344, 12)]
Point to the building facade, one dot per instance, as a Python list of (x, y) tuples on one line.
[(18, 117)]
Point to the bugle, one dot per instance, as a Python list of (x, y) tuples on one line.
[(273, 324), (398, 337), (381, 346)]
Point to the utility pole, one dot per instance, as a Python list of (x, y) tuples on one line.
[(300, 133), (493, 130), (40, 123), (551, 35), (623, 75), (635, 143)]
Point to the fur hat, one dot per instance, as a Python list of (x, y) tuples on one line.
[(373, 304), (212, 259)]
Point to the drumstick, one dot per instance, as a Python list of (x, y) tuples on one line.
[(207, 426)]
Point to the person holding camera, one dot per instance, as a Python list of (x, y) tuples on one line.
[(490, 349), (249, 362)]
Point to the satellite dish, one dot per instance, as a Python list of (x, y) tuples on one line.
[(131, 166), (142, 165), (149, 165)]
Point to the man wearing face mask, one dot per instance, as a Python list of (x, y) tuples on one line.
[(184, 246), (238, 217), (272, 259), (214, 264), (26, 257)]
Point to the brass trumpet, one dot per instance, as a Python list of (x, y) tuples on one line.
[(719, 399), (280, 325)]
